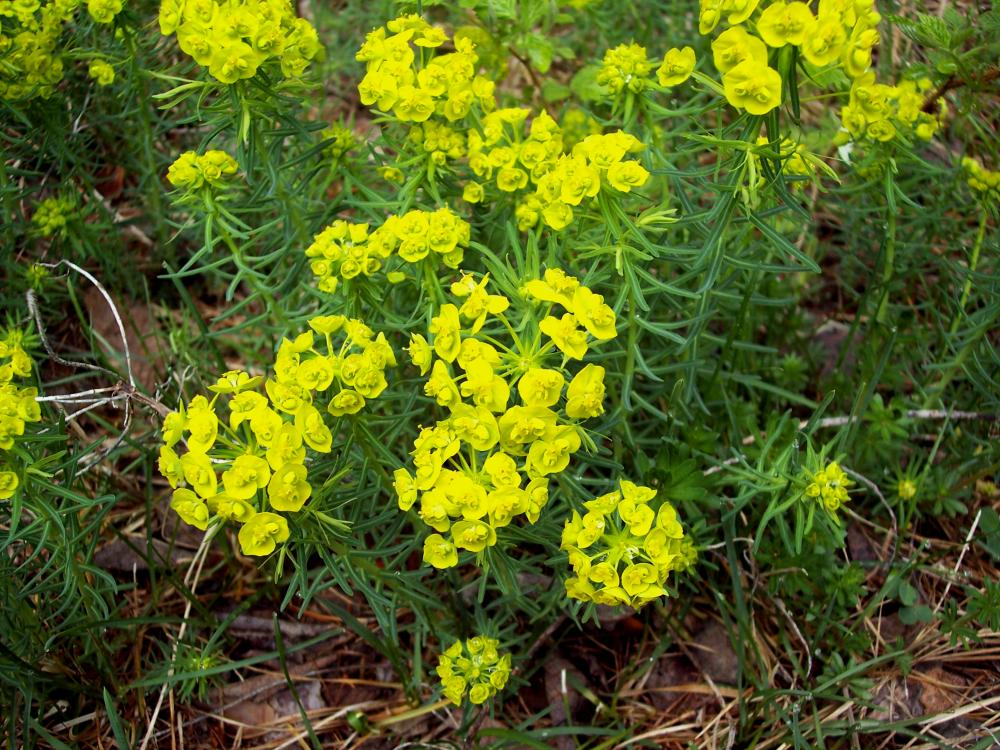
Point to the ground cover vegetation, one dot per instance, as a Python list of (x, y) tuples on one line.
[(511, 373)]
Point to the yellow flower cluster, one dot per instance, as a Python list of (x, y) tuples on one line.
[(829, 487), (104, 11), (191, 171), (400, 82), (879, 112), (475, 666), (982, 180), (597, 162), (501, 154), (18, 406), (677, 66), (748, 81), (101, 71), (438, 141), (234, 38), (261, 447), (344, 250), (52, 214), (341, 140), (29, 35), (841, 33), (30, 63), (623, 548), (625, 69), (490, 461)]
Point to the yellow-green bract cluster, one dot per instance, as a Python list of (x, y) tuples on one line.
[(490, 461), (234, 38), (984, 181), (627, 69), (624, 547), (561, 181), (828, 486), (30, 31), (837, 34), (474, 666), (191, 171), (52, 214), (18, 406), (344, 250), (548, 182), (261, 447), (395, 81)]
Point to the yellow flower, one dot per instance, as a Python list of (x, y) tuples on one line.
[(677, 66), (597, 317), (217, 165), (327, 325), (472, 192), (288, 489), (824, 41), (473, 535), (785, 23), (735, 46), (626, 175), (413, 104), (230, 508), (625, 68), (446, 329), (420, 353), (8, 484), (439, 552), (406, 489), (266, 425), (551, 454), (475, 425), (247, 475), (478, 303), (346, 402), (198, 472), (485, 387), (262, 533), (170, 466), (316, 373), (566, 335), (540, 387), (184, 172), (101, 71), (190, 508), (585, 395), (441, 386), (829, 487), (753, 87), (309, 423), (521, 425), (709, 15), (233, 62), (234, 381), (104, 11), (739, 10), (557, 215), (555, 286)]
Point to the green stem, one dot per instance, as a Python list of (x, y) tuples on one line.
[(973, 263), (889, 262)]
